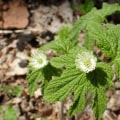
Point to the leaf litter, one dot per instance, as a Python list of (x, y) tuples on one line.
[(43, 19)]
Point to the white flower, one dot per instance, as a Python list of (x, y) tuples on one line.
[(38, 60), (86, 61)]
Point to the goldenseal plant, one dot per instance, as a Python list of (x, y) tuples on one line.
[(77, 69)]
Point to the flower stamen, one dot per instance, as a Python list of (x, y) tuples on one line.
[(39, 60), (87, 63)]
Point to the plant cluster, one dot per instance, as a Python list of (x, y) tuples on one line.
[(77, 69)]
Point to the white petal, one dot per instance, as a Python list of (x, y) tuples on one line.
[(34, 63), (81, 60)]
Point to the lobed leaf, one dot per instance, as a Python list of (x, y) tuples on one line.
[(61, 87), (94, 15), (102, 76), (115, 31), (67, 60), (100, 102), (73, 80), (49, 72), (117, 65), (105, 38), (33, 79), (44, 74), (62, 61), (100, 79), (79, 98)]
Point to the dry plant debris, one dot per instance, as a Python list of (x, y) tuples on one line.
[(51, 18), (15, 15)]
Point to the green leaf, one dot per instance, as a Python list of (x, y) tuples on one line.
[(118, 47), (49, 45), (33, 79), (110, 41), (105, 38), (93, 32), (100, 102), (67, 60), (96, 82), (79, 98), (109, 9), (105, 71), (10, 114), (86, 7), (100, 79), (49, 72), (61, 44), (1, 110), (115, 31), (93, 16), (61, 87), (89, 41), (73, 80), (99, 15), (117, 65), (13, 90), (63, 60), (45, 75)]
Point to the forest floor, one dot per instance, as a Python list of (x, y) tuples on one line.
[(21, 34)]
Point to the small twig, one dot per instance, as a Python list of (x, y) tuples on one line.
[(60, 115), (1, 15), (11, 31)]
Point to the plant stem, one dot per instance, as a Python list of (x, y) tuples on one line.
[(60, 115)]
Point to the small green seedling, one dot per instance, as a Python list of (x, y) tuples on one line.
[(8, 113)]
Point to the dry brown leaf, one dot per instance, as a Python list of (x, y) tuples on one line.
[(45, 111), (38, 93), (51, 18), (16, 69), (16, 16)]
